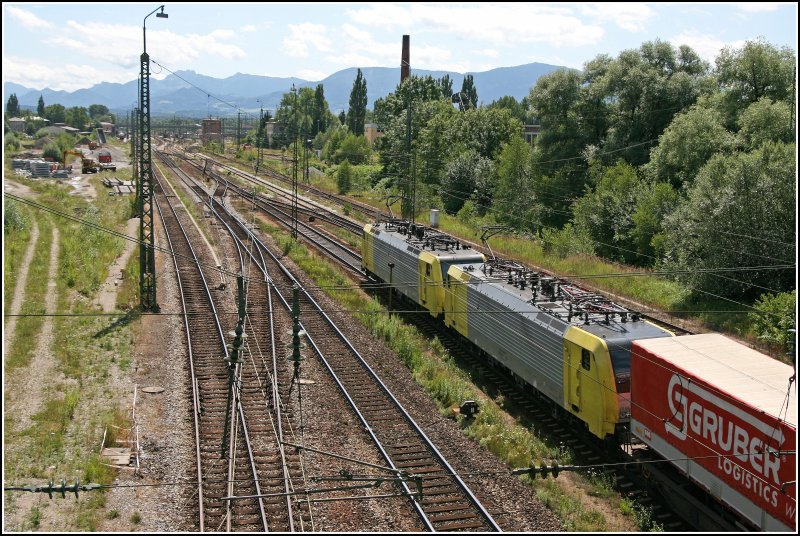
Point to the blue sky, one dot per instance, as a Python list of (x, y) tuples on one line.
[(71, 46)]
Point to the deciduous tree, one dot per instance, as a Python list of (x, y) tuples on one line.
[(740, 212)]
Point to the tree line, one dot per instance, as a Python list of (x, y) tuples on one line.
[(79, 117), (654, 158)]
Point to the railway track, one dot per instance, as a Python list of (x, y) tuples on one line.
[(281, 212), (264, 422), (368, 211), (281, 196), (438, 495), (586, 450), (209, 379)]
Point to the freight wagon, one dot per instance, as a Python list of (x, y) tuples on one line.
[(726, 417)]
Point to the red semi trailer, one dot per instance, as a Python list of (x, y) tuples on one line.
[(726, 416)]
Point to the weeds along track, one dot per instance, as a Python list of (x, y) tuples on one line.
[(258, 470), (435, 492)]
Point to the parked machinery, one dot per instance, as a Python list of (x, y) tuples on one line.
[(570, 345)]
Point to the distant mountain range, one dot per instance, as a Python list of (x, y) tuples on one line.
[(176, 95)]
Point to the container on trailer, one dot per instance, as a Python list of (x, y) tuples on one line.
[(726, 416)]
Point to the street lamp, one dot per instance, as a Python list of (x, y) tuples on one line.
[(160, 15), (147, 260)]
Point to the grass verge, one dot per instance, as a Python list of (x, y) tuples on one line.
[(64, 438), (17, 226), (21, 348)]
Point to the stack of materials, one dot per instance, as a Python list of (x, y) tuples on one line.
[(119, 187), (40, 168), (126, 187)]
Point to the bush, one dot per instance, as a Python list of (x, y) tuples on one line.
[(51, 151), (344, 177), (773, 318), (14, 219), (568, 241), (353, 148), (11, 142)]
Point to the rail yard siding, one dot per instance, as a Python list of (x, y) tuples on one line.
[(721, 421)]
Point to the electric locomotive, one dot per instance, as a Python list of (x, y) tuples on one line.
[(570, 345)]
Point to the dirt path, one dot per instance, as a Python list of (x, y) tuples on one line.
[(107, 296), (31, 381), (19, 290)]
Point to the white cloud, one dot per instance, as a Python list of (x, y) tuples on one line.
[(311, 75), (633, 17), (499, 23), (248, 28), (121, 45), (304, 35), (383, 15), (707, 46), (361, 49), (488, 52), (28, 19), (758, 7), (60, 77)]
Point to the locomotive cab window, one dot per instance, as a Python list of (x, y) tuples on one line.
[(427, 269), (586, 359)]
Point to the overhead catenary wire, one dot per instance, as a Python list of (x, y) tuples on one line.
[(231, 273), (533, 343), (464, 195), (713, 274), (569, 276)]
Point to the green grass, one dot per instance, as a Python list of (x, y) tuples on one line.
[(28, 328), (574, 515), (189, 204), (16, 238), (66, 433), (50, 425), (128, 290), (34, 518)]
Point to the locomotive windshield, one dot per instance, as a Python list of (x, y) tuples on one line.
[(621, 358)]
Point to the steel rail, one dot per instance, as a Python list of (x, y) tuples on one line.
[(240, 409), (219, 330), (440, 458)]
